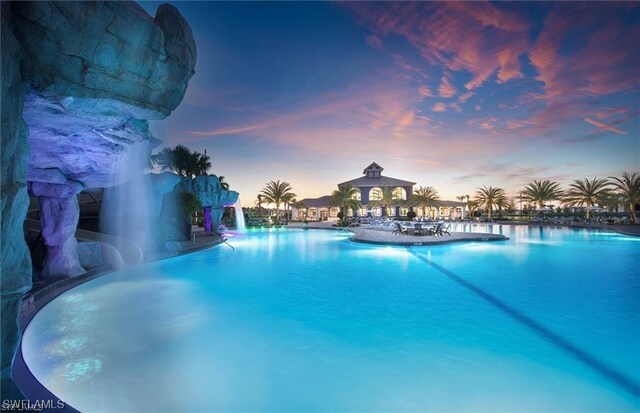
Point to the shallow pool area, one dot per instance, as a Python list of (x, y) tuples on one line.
[(296, 320)]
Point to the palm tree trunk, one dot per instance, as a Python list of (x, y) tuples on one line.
[(632, 209)]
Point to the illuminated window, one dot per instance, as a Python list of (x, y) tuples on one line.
[(399, 193), (375, 194)]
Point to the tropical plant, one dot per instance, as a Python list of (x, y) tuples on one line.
[(183, 161), (345, 198), (300, 206), (189, 204), (273, 193), (628, 189), (288, 199), (425, 197), (387, 199), (585, 192), (472, 206), (542, 191), (488, 197)]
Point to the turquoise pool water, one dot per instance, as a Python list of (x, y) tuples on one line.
[(548, 321)]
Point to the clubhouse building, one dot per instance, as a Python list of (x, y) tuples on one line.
[(369, 187)]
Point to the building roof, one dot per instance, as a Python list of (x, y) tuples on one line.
[(380, 181), (373, 167), (321, 202)]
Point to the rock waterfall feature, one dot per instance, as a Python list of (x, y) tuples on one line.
[(80, 81), (213, 199)]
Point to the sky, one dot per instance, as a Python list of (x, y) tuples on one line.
[(451, 95)]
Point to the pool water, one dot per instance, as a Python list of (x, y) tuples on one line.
[(548, 321)]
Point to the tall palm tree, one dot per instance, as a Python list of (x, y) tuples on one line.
[(425, 197), (488, 197), (586, 192), (345, 198), (541, 191), (628, 188), (299, 205), (387, 199), (288, 198), (273, 192)]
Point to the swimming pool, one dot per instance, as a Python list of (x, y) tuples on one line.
[(310, 321)]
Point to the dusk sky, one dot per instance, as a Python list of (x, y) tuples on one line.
[(452, 95)]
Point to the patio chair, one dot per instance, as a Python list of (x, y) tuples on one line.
[(417, 229), (398, 229), (441, 230)]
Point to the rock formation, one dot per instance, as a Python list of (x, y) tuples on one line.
[(85, 77), (213, 199)]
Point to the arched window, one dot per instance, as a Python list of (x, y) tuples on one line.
[(375, 194), (357, 195), (399, 193)]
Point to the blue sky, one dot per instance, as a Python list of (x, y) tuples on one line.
[(452, 95)]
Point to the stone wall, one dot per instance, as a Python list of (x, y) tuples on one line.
[(80, 81)]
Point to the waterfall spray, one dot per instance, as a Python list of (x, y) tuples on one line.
[(240, 227)]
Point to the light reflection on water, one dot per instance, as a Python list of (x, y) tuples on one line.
[(308, 320)]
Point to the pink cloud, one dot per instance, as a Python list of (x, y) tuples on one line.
[(374, 41), (604, 126), (425, 91), (465, 96), (439, 107), (462, 36), (605, 64), (446, 89)]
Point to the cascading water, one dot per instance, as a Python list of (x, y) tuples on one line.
[(240, 227), (125, 208)]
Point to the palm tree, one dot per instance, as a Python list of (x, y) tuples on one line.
[(223, 183), (183, 161), (628, 188), (288, 199), (488, 197), (586, 192), (541, 191), (425, 197), (299, 205), (163, 159), (345, 198), (273, 192), (387, 199), (472, 205)]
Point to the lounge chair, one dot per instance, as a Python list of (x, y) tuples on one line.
[(417, 229)]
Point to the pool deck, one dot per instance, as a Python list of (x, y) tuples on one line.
[(368, 235), (372, 236)]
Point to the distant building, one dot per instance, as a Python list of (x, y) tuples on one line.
[(369, 189)]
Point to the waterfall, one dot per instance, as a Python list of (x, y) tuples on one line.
[(239, 216), (124, 210)]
